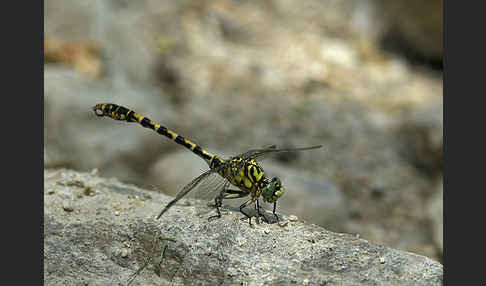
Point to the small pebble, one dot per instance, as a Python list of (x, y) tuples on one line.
[(76, 183), (293, 218), (283, 223), (382, 260), (95, 172), (232, 271), (117, 213), (89, 191), (124, 253), (366, 277), (51, 268), (67, 206)]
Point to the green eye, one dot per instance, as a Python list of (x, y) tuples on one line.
[(269, 190), (273, 190)]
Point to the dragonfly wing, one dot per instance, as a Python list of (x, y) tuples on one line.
[(209, 188), (252, 152), (189, 187), (259, 153)]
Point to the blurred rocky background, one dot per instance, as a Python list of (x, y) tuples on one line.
[(361, 77)]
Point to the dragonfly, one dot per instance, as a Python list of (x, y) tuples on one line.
[(242, 174)]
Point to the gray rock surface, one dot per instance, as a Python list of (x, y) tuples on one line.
[(435, 210), (419, 23), (110, 232), (421, 134)]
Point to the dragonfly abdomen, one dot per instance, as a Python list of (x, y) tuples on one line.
[(118, 112)]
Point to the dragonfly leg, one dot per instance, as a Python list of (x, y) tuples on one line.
[(236, 194), (247, 215), (274, 207), (217, 204), (228, 194), (262, 214), (257, 207)]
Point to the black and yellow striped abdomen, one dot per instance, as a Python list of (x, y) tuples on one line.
[(118, 112)]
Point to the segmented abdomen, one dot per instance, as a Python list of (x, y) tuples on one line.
[(118, 112)]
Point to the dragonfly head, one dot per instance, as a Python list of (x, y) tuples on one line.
[(273, 190)]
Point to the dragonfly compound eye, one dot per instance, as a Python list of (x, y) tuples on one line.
[(273, 191)]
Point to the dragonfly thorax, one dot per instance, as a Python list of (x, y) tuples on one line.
[(246, 174)]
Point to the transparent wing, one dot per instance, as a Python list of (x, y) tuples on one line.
[(260, 153), (210, 187), (189, 187), (252, 152)]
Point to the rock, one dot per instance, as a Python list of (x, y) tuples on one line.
[(47, 159), (87, 246), (421, 134), (207, 70), (67, 206), (418, 23), (435, 210)]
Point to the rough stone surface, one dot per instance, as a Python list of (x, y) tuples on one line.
[(435, 211), (91, 245), (419, 23), (421, 134)]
